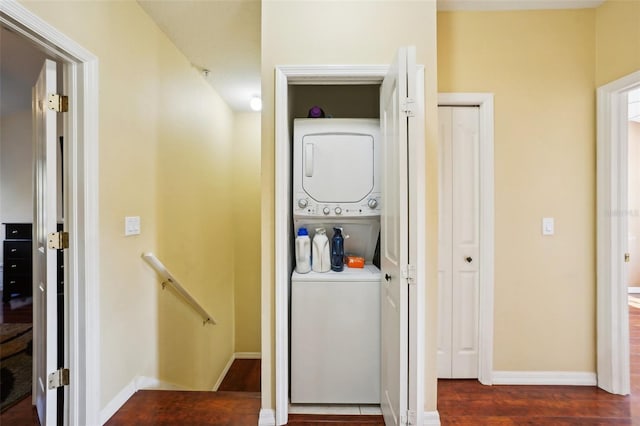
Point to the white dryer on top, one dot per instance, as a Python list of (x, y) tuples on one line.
[(336, 167)]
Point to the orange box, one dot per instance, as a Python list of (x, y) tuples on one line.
[(355, 262)]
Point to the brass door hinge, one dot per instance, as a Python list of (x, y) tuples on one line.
[(627, 257), (58, 378), (58, 103), (58, 240)]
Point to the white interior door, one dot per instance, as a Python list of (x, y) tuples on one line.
[(44, 260), (394, 238), (458, 242)]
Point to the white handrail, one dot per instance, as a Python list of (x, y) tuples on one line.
[(155, 263)]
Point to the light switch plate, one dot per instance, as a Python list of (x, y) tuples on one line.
[(132, 225), (548, 226)]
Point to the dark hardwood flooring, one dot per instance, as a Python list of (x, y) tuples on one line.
[(170, 408), (243, 376), (21, 414), (468, 403), (460, 403)]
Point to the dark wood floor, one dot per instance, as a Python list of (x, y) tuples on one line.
[(468, 403), (243, 376), (460, 402), (159, 408)]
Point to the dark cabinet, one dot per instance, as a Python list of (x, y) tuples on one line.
[(18, 262), (17, 259)]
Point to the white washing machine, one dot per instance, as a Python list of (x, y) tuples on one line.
[(335, 337)]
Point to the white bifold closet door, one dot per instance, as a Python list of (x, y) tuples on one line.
[(458, 242)]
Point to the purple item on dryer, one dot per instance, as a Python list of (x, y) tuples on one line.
[(316, 112)]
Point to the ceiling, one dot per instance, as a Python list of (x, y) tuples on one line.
[(220, 36), (516, 4), (20, 64), (223, 36)]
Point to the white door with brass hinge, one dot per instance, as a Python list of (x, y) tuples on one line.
[(458, 235), (394, 239), (45, 259)]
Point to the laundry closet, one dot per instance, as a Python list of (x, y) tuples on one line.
[(352, 337), (334, 313)]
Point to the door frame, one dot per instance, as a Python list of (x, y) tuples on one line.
[(487, 225), (612, 294), (80, 69), (327, 74)]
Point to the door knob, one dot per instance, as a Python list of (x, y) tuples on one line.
[(469, 259), (387, 277)]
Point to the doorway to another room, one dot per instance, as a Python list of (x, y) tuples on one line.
[(633, 280), (616, 102), (22, 62), (79, 69)]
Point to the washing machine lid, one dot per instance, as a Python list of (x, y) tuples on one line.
[(370, 273), (338, 167)]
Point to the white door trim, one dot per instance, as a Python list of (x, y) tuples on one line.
[(81, 133), (285, 75), (612, 308), (487, 256)]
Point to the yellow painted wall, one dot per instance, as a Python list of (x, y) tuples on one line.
[(540, 66), (195, 223), (617, 40), (346, 32), (246, 230), (164, 154)]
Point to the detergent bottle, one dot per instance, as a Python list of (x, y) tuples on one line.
[(320, 250), (337, 250), (303, 251)]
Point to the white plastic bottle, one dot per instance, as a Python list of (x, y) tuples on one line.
[(321, 255), (303, 251)]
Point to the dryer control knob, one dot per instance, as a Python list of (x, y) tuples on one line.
[(326, 210), (372, 203), (338, 210), (302, 203)]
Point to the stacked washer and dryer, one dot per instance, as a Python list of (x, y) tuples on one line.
[(335, 316)]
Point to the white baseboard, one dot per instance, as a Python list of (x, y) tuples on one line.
[(224, 372), (431, 418), (248, 355), (234, 356), (138, 383), (267, 417), (572, 378), (144, 382), (118, 401)]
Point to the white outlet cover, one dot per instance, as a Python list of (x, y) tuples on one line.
[(132, 225), (548, 226)]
